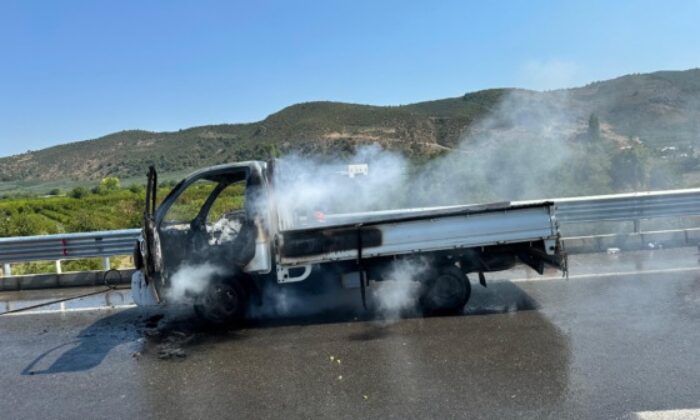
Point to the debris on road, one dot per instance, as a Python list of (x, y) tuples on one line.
[(168, 351), (152, 321)]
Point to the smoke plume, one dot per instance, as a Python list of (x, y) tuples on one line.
[(191, 280), (517, 152), (522, 150), (317, 183), (398, 293)]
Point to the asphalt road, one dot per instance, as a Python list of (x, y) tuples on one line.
[(599, 345)]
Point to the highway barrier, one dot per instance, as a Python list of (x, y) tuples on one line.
[(615, 207), (67, 246), (628, 207)]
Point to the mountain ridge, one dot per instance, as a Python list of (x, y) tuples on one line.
[(659, 109)]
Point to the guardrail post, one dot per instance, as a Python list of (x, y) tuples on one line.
[(637, 226), (105, 264), (7, 270), (58, 266)]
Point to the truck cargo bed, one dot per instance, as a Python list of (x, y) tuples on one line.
[(406, 231)]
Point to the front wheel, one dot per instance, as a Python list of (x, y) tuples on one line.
[(446, 293), (222, 303)]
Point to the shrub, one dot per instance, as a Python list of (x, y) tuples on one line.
[(99, 190), (79, 192), (110, 183)]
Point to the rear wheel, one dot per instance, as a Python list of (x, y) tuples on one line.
[(222, 303), (445, 293)]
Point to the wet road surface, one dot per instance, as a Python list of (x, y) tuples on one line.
[(596, 346)]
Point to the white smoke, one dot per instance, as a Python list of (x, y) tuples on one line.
[(519, 151), (523, 149), (310, 184), (191, 280), (398, 293)]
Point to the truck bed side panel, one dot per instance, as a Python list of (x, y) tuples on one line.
[(503, 226)]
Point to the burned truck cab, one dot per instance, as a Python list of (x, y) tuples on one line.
[(217, 217)]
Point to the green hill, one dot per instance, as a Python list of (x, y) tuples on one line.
[(659, 110)]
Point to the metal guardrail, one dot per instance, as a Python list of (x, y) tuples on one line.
[(67, 246), (633, 206), (615, 207)]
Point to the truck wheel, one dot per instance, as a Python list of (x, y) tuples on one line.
[(222, 303), (446, 293)]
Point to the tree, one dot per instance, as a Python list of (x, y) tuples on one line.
[(79, 192), (98, 189), (110, 183), (273, 152), (593, 127)]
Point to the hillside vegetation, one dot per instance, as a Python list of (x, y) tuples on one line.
[(657, 110), (80, 211)]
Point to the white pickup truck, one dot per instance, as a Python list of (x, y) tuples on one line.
[(228, 216)]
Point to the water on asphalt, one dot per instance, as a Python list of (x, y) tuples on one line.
[(600, 345)]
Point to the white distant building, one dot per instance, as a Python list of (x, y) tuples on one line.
[(353, 170)]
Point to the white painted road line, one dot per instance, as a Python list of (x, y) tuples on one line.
[(63, 311), (682, 414), (610, 274)]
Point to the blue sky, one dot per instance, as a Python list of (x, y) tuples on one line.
[(73, 70)]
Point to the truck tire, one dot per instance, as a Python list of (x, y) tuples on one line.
[(446, 293), (222, 303)]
